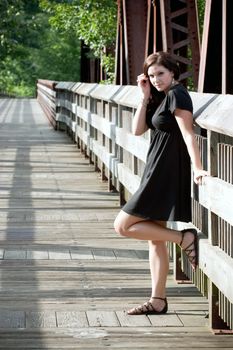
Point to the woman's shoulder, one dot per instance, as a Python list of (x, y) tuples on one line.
[(179, 97), (178, 89)]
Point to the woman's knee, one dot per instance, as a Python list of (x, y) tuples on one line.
[(124, 222), (120, 227)]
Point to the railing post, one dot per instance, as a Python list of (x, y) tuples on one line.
[(216, 322), (105, 135), (212, 162), (47, 96)]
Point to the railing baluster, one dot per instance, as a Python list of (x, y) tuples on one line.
[(99, 118)]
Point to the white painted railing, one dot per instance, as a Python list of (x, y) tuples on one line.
[(99, 120)]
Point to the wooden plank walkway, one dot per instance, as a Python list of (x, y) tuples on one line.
[(66, 277)]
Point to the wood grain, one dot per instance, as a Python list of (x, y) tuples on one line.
[(66, 277)]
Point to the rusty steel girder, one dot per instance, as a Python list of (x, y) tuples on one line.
[(216, 65), (131, 35), (146, 26), (180, 35)]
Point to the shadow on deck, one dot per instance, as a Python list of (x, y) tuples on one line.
[(66, 277)]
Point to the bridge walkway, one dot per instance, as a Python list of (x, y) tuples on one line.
[(66, 278)]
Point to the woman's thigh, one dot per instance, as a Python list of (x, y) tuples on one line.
[(123, 221)]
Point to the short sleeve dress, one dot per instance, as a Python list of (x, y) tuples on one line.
[(165, 190)]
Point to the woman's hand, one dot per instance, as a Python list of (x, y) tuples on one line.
[(144, 84), (198, 176)]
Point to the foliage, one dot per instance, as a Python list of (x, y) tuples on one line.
[(11, 20), (31, 49), (108, 62), (59, 58), (14, 43), (101, 29), (92, 21), (201, 13)]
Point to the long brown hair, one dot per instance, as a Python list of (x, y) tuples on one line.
[(164, 59)]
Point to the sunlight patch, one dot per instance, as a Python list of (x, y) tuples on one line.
[(84, 333)]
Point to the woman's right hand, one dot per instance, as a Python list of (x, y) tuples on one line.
[(144, 84)]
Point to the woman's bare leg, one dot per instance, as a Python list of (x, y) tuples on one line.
[(158, 254), (157, 235), (135, 227), (159, 267)]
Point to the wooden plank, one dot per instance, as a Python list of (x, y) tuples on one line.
[(194, 318), (217, 196), (138, 146), (59, 254), (15, 254), (125, 254), (129, 321), (209, 118), (46, 180), (102, 153), (217, 265), (130, 181), (142, 254), (103, 254), (169, 320), (37, 319), (37, 254), (71, 319), (12, 319), (87, 216), (102, 124), (102, 319), (81, 253)]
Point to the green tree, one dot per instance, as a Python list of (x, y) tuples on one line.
[(15, 29), (92, 21), (31, 49), (10, 24), (58, 57), (201, 14)]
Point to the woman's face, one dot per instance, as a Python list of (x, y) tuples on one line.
[(160, 77)]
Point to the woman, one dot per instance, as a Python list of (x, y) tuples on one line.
[(164, 193)]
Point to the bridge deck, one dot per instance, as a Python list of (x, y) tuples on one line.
[(66, 277)]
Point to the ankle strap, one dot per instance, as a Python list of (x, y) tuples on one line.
[(164, 299), (182, 237), (192, 230)]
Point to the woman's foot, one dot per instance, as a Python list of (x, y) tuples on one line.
[(188, 244), (155, 306)]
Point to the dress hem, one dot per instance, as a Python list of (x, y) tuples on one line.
[(154, 219)]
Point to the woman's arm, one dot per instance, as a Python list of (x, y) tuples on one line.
[(185, 121), (139, 125)]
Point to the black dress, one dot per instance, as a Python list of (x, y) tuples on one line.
[(165, 190)]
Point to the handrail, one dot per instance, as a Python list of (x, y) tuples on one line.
[(99, 118), (46, 95)]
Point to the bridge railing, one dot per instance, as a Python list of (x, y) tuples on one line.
[(46, 96), (99, 119)]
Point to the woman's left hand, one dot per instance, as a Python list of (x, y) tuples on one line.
[(198, 176)]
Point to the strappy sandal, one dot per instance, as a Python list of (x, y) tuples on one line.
[(193, 259), (148, 308)]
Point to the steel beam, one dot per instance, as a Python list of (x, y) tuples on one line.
[(216, 65), (131, 40), (180, 36), (146, 26)]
